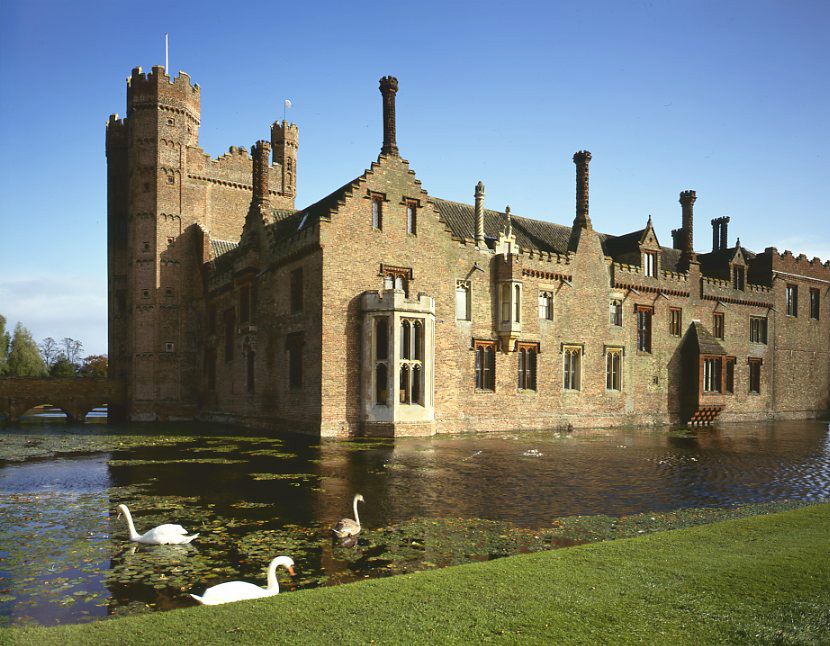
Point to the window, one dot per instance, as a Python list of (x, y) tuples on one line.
[(505, 303), (546, 306), (411, 361), (792, 300), (297, 291), (650, 264), (485, 364), (814, 303), (169, 346), (517, 303), (411, 217), (462, 300), (244, 304), (251, 370), (396, 278), (717, 325), (615, 312), (675, 321), (381, 361), (229, 329), (294, 343), (526, 353), (712, 369), (145, 246), (758, 329), (755, 376), (171, 241), (613, 369), (571, 379), (171, 121), (644, 314), (171, 178), (145, 293), (377, 212), (738, 277), (729, 386)]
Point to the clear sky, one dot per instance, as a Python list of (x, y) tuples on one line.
[(728, 98)]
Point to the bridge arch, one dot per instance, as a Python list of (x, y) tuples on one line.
[(74, 396)]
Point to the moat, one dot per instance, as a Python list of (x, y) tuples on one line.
[(429, 502)]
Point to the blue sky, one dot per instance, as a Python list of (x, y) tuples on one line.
[(727, 98)]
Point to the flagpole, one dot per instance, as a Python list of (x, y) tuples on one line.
[(166, 55)]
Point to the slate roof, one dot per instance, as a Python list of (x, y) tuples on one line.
[(706, 343), (219, 247), (530, 234)]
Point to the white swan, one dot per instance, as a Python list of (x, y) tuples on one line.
[(348, 527), (161, 535), (241, 590)]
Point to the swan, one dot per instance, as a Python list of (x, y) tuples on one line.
[(348, 527), (161, 535), (242, 590)]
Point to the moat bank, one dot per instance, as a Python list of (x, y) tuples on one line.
[(758, 580), (430, 502)]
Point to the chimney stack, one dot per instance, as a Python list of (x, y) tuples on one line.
[(261, 155), (388, 88), (677, 238), (480, 214), (581, 159), (687, 201)]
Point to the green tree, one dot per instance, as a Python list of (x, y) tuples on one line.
[(62, 367), (24, 357), (4, 347)]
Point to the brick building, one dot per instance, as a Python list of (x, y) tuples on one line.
[(381, 310)]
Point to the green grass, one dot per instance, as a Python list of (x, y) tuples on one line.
[(764, 579)]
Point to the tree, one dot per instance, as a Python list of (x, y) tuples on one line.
[(62, 367), (72, 350), (4, 347), (95, 365), (24, 357), (50, 351)]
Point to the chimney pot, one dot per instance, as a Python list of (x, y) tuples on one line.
[(388, 88), (479, 213), (261, 154), (582, 158), (687, 201)]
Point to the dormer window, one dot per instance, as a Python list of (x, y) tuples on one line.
[(738, 278), (650, 264)]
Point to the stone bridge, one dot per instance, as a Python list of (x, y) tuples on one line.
[(75, 396)]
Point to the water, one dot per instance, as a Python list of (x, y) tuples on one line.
[(429, 502)]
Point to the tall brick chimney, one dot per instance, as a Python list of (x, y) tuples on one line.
[(719, 230), (480, 214), (687, 201), (261, 155), (388, 88), (582, 159)]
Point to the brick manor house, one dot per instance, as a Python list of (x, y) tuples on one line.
[(381, 310)]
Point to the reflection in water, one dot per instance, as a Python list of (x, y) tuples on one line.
[(429, 502)]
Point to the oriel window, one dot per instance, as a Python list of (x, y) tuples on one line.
[(410, 387), (712, 370), (382, 360)]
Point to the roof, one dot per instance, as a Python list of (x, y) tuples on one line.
[(720, 258), (530, 234), (706, 343), (219, 247)]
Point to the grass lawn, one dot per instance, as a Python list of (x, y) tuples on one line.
[(761, 579)]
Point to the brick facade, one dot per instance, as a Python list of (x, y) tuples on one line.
[(227, 303)]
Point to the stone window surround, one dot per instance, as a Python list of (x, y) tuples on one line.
[(485, 349), (572, 376), (755, 363), (614, 350), (528, 372), (644, 346)]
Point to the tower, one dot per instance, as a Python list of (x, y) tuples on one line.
[(285, 139), (151, 343)]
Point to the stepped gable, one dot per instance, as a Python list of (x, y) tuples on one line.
[(706, 343)]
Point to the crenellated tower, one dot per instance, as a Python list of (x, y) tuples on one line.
[(285, 140)]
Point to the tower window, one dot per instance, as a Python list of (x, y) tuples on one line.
[(792, 300), (462, 300), (485, 352), (411, 217), (411, 373), (676, 321), (815, 303), (613, 369), (169, 346), (718, 328), (755, 376), (546, 306), (644, 314), (572, 364)]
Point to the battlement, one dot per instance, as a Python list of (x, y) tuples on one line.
[(116, 132), (790, 263), (158, 88), (284, 132)]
